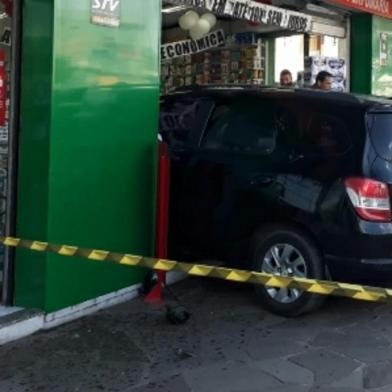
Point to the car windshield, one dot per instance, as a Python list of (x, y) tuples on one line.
[(380, 131)]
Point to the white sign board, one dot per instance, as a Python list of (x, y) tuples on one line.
[(189, 46), (254, 12), (106, 12)]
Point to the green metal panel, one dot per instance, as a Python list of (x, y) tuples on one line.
[(361, 53), (381, 74), (30, 269), (102, 147), (368, 76)]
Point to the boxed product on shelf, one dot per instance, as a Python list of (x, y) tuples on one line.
[(235, 65), (250, 53), (253, 74), (197, 58), (230, 64), (335, 66), (235, 55), (340, 87), (257, 81), (309, 79), (226, 54), (255, 63), (225, 68), (315, 63)]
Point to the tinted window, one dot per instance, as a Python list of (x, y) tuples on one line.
[(247, 126), (305, 127), (287, 125), (380, 130), (326, 133), (177, 119)]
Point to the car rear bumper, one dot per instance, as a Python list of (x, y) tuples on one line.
[(369, 271)]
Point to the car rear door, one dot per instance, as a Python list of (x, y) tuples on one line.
[(235, 155), (182, 122)]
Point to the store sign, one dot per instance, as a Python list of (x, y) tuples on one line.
[(254, 12), (377, 7), (263, 13), (189, 46), (106, 12)]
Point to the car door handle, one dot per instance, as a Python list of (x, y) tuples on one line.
[(295, 157), (261, 180)]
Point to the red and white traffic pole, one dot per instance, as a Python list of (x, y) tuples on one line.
[(162, 221)]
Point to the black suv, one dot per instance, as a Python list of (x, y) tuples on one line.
[(289, 182)]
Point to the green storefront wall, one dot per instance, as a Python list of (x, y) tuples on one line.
[(87, 166), (381, 74), (368, 75)]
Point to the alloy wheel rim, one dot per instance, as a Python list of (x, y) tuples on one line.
[(284, 260)]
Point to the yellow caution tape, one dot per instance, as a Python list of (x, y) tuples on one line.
[(314, 286)]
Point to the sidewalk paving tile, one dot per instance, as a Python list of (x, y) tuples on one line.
[(326, 366), (171, 384), (357, 343), (378, 374), (229, 376), (286, 371)]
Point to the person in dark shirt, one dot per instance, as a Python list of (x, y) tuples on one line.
[(323, 81)]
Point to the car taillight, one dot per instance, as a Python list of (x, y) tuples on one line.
[(370, 199)]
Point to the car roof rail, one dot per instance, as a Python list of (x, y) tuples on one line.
[(343, 97)]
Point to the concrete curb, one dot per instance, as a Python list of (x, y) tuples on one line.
[(24, 322)]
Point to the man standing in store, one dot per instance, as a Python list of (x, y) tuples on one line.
[(323, 81), (286, 79)]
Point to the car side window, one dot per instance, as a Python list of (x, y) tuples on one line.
[(177, 120), (325, 133), (247, 126)]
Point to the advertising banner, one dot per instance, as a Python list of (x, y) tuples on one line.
[(189, 46), (376, 7), (254, 12)]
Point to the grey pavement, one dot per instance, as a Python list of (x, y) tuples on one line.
[(230, 344)]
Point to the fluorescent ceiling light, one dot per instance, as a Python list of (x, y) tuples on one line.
[(173, 8), (321, 10)]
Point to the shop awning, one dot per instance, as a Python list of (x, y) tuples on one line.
[(377, 7)]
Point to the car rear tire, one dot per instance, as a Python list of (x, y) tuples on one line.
[(287, 252)]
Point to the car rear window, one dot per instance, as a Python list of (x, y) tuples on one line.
[(327, 133), (380, 131), (246, 126)]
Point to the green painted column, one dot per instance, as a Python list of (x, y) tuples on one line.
[(368, 74), (361, 53), (381, 72), (90, 98)]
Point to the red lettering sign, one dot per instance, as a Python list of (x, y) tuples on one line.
[(376, 7)]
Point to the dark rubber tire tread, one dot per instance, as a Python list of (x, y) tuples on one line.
[(264, 239)]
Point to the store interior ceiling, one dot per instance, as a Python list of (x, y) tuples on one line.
[(319, 9)]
